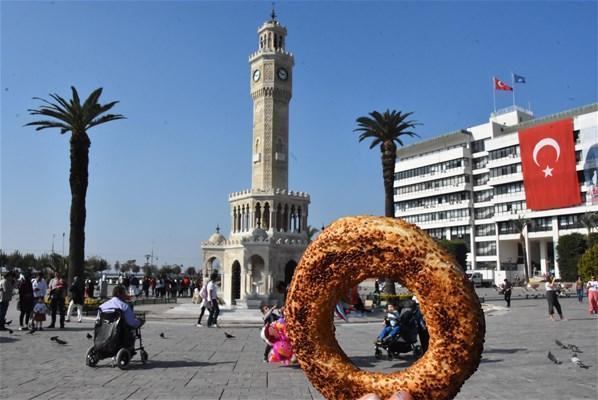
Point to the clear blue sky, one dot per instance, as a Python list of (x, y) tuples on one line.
[(160, 179)]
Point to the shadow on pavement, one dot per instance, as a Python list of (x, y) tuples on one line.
[(8, 339), (487, 361), (373, 362), (504, 351)]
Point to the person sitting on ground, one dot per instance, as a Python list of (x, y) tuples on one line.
[(117, 302), (270, 317), (391, 324)]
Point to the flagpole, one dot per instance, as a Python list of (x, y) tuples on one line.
[(513, 84), (494, 92)]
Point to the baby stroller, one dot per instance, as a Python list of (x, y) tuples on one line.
[(405, 341), (113, 338)]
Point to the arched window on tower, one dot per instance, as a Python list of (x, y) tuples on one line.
[(279, 217), (234, 219), (269, 40), (299, 220), (266, 217), (258, 216), (285, 218)]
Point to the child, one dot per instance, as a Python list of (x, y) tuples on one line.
[(391, 324), (39, 314), (269, 317)]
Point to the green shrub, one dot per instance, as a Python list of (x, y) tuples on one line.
[(588, 263)]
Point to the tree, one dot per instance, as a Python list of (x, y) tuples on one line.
[(521, 224), (15, 260), (457, 248), (117, 266), (589, 220), (191, 271), (569, 249), (72, 116), (588, 263), (386, 130), (176, 269), (96, 264), (311, 233), (135, 268)]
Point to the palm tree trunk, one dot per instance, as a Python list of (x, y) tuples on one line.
[(524, 251), (389, 157), (78, 180)]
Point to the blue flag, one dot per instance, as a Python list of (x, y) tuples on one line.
[(518, 78)]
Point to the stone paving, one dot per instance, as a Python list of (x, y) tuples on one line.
[(200, 363)]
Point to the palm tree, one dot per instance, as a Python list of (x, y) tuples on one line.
[(589, 220), (521, 224), (311, 232), (386, 130), (72, 116)]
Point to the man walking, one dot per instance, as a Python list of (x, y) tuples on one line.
[(77, 290), (6, 289), (506, 288), (57, 288), (212, 290)]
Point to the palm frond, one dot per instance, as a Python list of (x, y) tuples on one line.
[(105, 118), (92, 98), (49, 124)]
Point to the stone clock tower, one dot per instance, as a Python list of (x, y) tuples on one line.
[(271, 88), (268, 222)]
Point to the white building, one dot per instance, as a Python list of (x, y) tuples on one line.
[(269, 221), (469, 185)]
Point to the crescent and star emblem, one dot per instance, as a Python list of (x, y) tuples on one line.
[(541, 144)]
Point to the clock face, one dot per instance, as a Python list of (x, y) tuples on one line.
[(283, 74), (256, 75)]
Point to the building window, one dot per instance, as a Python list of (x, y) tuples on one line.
[(480, 162), (485, 230), (509, 208), (572, 221), (541, 225), (486, 265), (478, 145), (432, 169), (485, 248), (480, 180), (506, 228), (482, 196), (484, 212), (508, 189), (505, 152), (505, 170)]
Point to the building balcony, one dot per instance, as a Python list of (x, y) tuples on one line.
[(499, 180), (437, 191)]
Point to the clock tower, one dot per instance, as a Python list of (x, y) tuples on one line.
[(271, 88), (268, 222)]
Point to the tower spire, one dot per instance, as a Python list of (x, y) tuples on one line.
[(273, 14)]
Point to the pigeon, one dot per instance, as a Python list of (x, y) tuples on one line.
[(575, 360), (552, 358), (228, 335), (561, 345), (57, 340), (574, 348), (162, 335), (89, 336)]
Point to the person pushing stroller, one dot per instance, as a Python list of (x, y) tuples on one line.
[(115, 332), (117, 302)]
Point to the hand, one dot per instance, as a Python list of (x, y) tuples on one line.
[(396, 396)]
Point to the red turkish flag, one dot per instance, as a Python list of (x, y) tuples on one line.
[(548, 164), (500, 85)]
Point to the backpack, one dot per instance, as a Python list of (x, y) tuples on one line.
[(203, 293)]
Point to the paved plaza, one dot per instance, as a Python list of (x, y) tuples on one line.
[(201, 363)]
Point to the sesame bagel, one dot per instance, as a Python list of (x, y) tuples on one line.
[(353, 249)]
